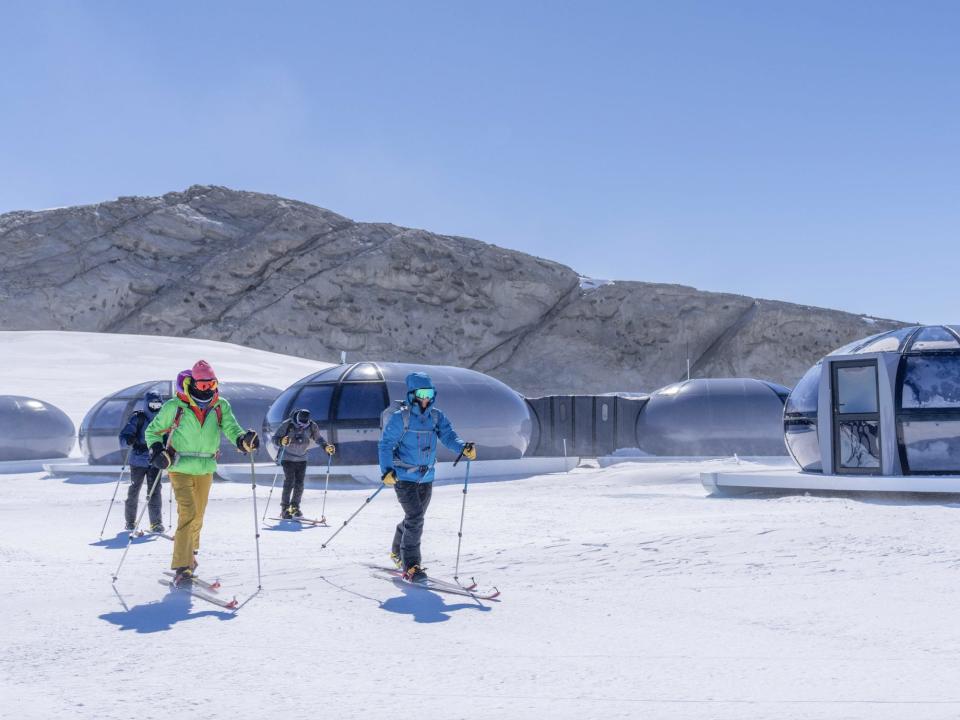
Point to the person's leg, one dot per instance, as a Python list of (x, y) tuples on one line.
[(154, 500), (299, 473), (182, 488), (289, 475), (409, 495), (201, 490), (133, 495)]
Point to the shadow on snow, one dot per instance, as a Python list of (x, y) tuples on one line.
[(425, 606), (119, 542), (162, 615)]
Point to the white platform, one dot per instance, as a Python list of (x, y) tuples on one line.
[(445, 472), (794, 479), (363, 474), (10, 467), (608, 460)]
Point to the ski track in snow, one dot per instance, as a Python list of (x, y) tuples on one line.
[(626, 593)]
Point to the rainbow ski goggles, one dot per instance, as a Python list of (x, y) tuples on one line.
[(424, 393)]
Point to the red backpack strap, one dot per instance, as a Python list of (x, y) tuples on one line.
[(219, 415)]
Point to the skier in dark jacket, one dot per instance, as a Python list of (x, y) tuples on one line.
[(139, 461), (408, 453), (294, 437)]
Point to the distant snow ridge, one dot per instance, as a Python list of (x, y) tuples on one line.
[(588, 283)]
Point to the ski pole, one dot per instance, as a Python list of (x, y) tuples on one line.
[(256, 525), (115, 489), (326, 484), (274, 483), (347, 521), (463, 509), (153, 487)]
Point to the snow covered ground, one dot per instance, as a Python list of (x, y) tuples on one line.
[(627, 593), (73, 370)]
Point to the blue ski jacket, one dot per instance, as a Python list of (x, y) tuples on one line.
[(412, 450), (132, 434)]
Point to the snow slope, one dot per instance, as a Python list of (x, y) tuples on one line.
[(73, 370)]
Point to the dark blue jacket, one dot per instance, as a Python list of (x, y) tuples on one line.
[(132, 434), (412, 453)]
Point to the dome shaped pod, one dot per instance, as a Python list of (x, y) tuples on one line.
[(714, 417), (32, 429), (102, 423), (888, 404), (348, 400)]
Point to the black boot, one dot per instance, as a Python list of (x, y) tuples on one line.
[(415, 574), (295, 511), (285, 514), (183, 577)]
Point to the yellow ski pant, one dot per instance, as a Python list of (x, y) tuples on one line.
[(192, 492)]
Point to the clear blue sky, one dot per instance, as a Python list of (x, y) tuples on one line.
[(804, 151)]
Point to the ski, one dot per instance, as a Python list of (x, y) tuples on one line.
[(215, 585), (143, 533), (159, 534), (436, 585), (228, 604), (322, 522)]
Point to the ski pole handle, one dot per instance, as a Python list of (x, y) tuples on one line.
[(459, 457)]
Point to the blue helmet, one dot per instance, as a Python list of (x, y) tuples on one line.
[(419, 381), (152, 401)]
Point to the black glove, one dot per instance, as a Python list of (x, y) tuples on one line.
[(161, 457), (127, 439), (140, 447), (248, 442)]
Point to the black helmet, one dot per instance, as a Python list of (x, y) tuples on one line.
[(302, 416)]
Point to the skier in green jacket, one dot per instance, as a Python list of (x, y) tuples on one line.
[(184, 438)]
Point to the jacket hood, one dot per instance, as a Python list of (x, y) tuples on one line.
[(419, 381), (152, 396)]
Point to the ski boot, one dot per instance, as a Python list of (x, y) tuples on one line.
[(129, 527), (285, 515), (395, 559), (157, 527), (183, 577), (295, 511), (415, 574)]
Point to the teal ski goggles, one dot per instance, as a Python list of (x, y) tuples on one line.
[(424, 393)]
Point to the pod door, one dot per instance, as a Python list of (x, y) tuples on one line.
[(856, 418)]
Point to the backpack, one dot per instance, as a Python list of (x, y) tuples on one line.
[(402, 406)]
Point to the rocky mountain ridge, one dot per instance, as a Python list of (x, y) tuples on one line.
[(286, 276)]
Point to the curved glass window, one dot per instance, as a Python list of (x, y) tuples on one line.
[(932, 445), (361, 401), (850, 348), (931, 382), (935, 338), (278, 410), (803, 443), (316, 399), (110, 416), (890, 342), (363, 371), (805, 395)]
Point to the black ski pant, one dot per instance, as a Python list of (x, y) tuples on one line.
[(414, 499), (294, 471), (137, 476)]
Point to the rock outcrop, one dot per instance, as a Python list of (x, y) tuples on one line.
[(287, 276)]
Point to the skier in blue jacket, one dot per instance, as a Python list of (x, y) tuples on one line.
[(139, 461), (408, 452)]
